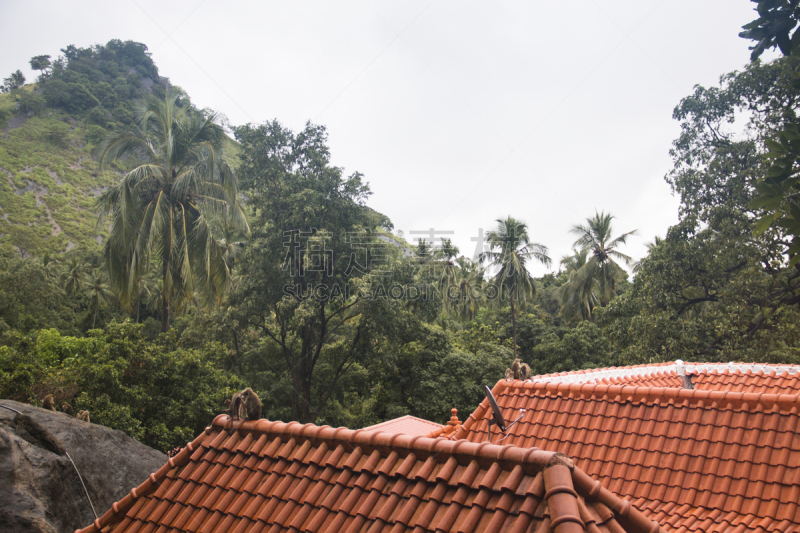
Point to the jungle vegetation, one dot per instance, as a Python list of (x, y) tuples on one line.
[(263, 265)]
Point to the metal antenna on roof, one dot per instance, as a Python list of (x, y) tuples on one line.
[(497, 415)]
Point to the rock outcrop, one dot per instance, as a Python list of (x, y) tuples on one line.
[(39, 489)]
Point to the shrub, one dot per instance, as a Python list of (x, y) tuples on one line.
[(95, 134), (30, 102)]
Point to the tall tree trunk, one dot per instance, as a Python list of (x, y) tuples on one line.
[(238, 351), (305, 407), (514, 324), (295, 395), (165, 314), (138, 301), (95, 316), (164, 302), (166, 288), (305, 376)]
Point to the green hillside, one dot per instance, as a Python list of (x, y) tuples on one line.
[(49, 186), (49, 173)]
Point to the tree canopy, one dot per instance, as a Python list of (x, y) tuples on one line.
[(166, 207)]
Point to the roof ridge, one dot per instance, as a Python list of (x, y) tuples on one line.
[(379, 440), (612, 371), (583, 375)]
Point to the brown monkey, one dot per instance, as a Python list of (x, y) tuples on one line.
[(66, 408), (509, 373), (524, 371), (83, 415), (174, 451), (47, 403), (515, 368), (235, 406), (251, 405)]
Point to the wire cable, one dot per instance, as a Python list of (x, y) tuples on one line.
[(80, 478), (10, 409), (82, 485)]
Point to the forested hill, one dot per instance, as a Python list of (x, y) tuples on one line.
[(49, 177)]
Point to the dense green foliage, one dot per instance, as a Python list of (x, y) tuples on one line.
[(325, 313), (14, 81), (776, 21), (155, 391), (778, 188)]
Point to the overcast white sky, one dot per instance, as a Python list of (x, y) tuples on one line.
[(458, 113)]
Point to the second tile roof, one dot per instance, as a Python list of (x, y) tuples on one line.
[(692, 460)]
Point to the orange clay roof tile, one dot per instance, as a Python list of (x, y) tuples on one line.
[(408, 425), (271, 476), (710, 459)]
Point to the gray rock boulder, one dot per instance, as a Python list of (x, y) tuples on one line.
[(39, 489)]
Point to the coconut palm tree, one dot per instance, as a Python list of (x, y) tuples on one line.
[(651, 246), (155, 302), (73, 280), (595, 274), (510, 250), (579, 294), (445, 256), (160, 210), (143, 290), (99, 294), (470, 281), (52, 267), (423, 251)]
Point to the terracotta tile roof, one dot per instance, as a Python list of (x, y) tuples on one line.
[(272, 476), (759, 381), (736, 377), (407, 425), (692, 460)]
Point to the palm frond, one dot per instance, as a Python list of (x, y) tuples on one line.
[(169, 205)]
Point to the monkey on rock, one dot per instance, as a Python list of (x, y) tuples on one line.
[(48, 402)]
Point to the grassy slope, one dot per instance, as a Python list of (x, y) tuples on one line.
[(48, 184)]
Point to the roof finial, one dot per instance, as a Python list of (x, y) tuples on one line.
[(454, 421)]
